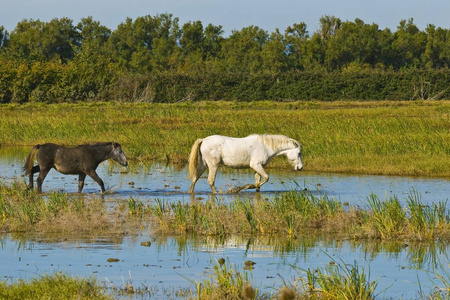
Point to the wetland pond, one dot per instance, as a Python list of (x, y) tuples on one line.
[(171, 263)]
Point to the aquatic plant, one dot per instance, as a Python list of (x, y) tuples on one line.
[(226, 282), (425, 221), (54, 286), (290, 212), (340, 281), (387, 218), (22, 210), (295, 213)]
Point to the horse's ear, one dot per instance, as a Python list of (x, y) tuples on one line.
[(115, 145)]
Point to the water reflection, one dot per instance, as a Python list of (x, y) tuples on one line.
[(170, 260)]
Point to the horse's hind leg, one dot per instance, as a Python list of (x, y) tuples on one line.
[(212, 177), (97, 179), (34, 170), (81, 182), (42, 174), (200, 170)]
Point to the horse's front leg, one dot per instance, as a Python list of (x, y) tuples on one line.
[(257, 181), (97, 179), (260, 173), (81, 182)]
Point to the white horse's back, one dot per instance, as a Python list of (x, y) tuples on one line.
[(230, 151)]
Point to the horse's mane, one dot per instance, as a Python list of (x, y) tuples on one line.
[(276, 141)]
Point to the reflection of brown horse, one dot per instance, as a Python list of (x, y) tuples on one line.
[(82, 160)]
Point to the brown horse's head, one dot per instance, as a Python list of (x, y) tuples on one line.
[(118, 155)]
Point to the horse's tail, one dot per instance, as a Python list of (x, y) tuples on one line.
[(30, 160), (194, 158)]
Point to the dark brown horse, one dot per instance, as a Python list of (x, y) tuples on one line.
[(82, 160)]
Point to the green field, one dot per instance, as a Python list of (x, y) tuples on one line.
[(385, 137)]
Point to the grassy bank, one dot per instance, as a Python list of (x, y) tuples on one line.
[(294, 214), (289, 214), (22, 210), (396, 137)]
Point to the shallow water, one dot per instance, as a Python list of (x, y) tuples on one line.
[(171, 263), (169, 182)]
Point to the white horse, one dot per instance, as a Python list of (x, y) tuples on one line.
[(254, 151)]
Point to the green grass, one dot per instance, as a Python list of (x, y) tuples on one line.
[(339, 281), (398, 137), (294, 214), (336, 281), (23, 210), (55, 286), (290, 214)]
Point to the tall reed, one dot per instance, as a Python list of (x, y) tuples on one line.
[(340, 281), (426, 220), (386, 217)]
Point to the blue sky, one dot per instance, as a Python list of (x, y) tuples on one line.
[(232, 14)]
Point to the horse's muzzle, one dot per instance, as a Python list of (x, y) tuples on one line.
[(297, 168), (124, 163)]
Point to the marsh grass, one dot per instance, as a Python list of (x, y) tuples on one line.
[(442, 286), (387, 217), (288, 213), (389, 220), (334, 281), (226, 282), (398, 137), (296, 213), (23, 210), (426, 220), (54, 286), (339, 281)]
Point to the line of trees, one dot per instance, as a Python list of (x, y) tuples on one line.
[(154, 58)]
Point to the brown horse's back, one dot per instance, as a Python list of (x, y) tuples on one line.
[(75, 160)]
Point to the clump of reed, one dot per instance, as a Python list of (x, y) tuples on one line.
[(288, 213), (335, 281), (415, 220), (338, 281), (296, 213), (23, 210), (226, 283), (54, 286)]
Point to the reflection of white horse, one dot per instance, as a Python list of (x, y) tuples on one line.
[(254, 151)]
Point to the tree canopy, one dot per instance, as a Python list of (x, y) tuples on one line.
[(62, 61)]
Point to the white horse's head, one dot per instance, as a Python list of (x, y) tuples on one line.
[(294, 156)]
